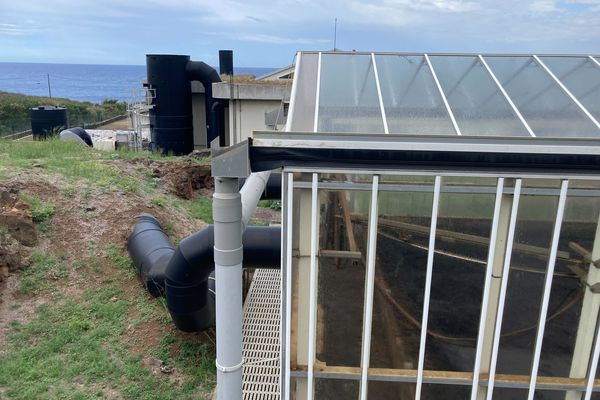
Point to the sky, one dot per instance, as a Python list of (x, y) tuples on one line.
[(268, 33)]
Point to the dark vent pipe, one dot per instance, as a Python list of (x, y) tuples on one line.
[(171, 123), (183, 273), (226, 62)]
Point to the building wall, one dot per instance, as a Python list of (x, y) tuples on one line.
[(246, 116)]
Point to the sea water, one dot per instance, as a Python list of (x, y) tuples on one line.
[(83, 82)]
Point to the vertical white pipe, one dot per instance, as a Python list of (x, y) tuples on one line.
[(290, 116), (312, 328), (317, 95), (428, 278), (288, 281), (486, 288), (379, 95), (547, 287), (593, 367), (227, 215), (503, 285), (369, 288)]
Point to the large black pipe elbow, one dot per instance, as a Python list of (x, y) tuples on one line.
[(183, 273), (200, 71)]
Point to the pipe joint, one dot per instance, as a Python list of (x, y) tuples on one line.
[(229, 258), (229, 369), (227, 208)]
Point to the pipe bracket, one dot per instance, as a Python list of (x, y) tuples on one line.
[(229, 258), (229, 369)]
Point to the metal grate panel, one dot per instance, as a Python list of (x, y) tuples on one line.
[(261, 342)]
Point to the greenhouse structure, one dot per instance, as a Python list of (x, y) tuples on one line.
[(440, 232)]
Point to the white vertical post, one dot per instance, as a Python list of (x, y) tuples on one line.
[(381, 106), (564, 88), (547, 287), (428, 278), (503, 285), (486, 288), (437, 83), (317, 96), (312, 326), (290, 116), (369, 288), (506, 96), (288, 280), (593, 367)]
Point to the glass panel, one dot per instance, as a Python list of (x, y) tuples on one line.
[(348, 95), (343, 241), (391, 390), (342, 389), (546, 107), (462, 241), (564, 323), (446, 392), (510, 394), (404, 224), (303, 119), (412, 100), (581, 76), (555, 395), (533, 235), (476, 102)]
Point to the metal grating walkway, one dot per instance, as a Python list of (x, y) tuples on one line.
[(261, 343)]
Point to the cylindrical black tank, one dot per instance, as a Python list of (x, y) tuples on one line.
[(226, 62), (47, 121), (171, 117)]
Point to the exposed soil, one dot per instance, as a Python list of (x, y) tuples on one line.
[(85, 222)]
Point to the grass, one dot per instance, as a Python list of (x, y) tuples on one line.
[(43, 274), (14, 110), (74, 348), (197, 208), (272, 204)]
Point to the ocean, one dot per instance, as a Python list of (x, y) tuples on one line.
[(83, 82)]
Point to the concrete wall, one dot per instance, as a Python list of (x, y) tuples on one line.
[(248, 116), (247, 105)]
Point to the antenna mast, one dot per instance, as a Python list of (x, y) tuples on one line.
[(335, 34)]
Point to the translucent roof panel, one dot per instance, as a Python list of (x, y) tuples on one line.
[(305, 93), (478, 105), (545, 105), (503, 95), (348, 100), (581, 75), (412, 101)]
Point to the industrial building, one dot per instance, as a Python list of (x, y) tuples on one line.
[(440, 232)]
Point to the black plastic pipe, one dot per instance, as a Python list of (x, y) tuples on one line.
[(200, 71), (182, 273)]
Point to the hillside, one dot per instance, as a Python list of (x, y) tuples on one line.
[(75, 321), (14, 111)]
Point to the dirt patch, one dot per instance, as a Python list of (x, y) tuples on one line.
[(186, 179)]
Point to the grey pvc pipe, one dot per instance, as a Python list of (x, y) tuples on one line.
[(227, 215), (253, 188)]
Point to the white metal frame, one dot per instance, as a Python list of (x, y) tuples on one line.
[(567, 91), (503, 286), (428, 279), (486, 288), (318, 94), (444, 99), (312, 319), (548, 287), (363, 375), (501, 88), (383, 117), (369, 287)]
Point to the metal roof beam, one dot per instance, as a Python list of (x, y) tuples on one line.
[(564, 88), (381, 106), (437, 83), (506, 96)]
